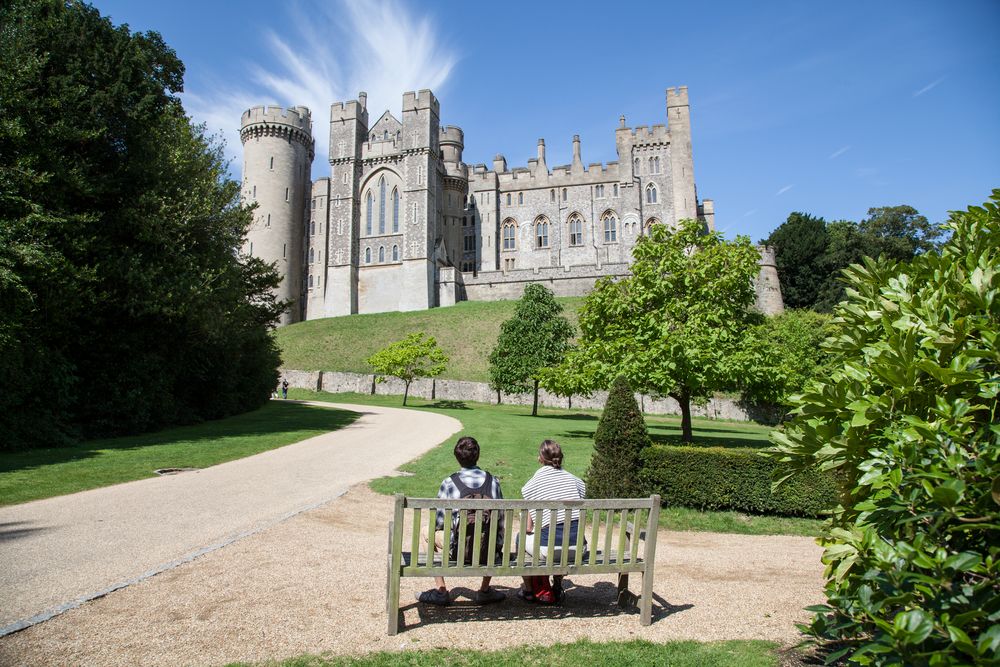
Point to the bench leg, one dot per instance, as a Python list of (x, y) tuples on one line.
[(646, 602), (392, 589), (623, 595)]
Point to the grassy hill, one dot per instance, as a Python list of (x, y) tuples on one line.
[(467, 332)]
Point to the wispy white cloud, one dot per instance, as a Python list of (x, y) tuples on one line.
[(840, 151), (930, 86), (783, 190), (749, 213), (335, 49)]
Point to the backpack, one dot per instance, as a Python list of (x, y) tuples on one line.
[(479, 493)]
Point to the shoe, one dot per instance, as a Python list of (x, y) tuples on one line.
[(527, 596), (489, 596), (435, 596), (545, 597)]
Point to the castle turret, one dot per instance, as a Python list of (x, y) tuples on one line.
[(681, 158), (278, 150), (769, 300)]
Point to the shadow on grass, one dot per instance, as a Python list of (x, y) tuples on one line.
[(275, 417), (599, 600), (675, 439), (448, 405)]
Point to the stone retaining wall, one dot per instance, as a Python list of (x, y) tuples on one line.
[(479, 392)]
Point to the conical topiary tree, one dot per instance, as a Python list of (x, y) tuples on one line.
[(618, 443)]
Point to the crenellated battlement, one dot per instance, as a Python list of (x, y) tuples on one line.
[(422, 99), (677, 97), (294, 124)]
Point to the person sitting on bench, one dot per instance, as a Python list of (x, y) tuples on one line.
[(475, 482), (550, 482)]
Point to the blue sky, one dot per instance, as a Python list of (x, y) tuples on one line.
[(827, 108)]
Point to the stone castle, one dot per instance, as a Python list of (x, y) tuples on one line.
[(402, 223)]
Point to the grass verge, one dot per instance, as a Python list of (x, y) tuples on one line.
[(43, 473), (509, 437), (636, 653)]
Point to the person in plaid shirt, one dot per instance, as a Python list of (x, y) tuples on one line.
[(474, 478)]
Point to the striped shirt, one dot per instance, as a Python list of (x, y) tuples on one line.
[(550, 483), (472, 478)]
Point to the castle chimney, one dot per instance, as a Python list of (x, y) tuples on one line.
[(621, 121), (363, 99), (577, 166), (541, 150)]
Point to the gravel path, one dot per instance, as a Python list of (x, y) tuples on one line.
[(316, 583), (60, 552)]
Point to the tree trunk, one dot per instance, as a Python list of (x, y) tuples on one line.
[(406, 391), (683, 399), (534, 405)]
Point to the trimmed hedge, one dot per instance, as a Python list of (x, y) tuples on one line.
[(716, 478)]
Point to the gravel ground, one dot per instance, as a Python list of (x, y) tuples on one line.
[(315, 583)]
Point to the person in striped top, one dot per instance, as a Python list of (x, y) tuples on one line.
[(550, 482)]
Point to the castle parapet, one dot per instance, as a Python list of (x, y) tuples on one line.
[(294, 124)]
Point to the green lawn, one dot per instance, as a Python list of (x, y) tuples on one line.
[(635, 653), (509, 437), (467, 332), (43, 473)]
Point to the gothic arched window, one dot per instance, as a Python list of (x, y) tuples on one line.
[(651, 194), (310, 280), (542, 233), (395, 253), (575, 229), (649, 225), (520, 198), (508, 199), (656, 164), (381, 205), (311, 256), (369, 204), (381, 253), (635, 165), (395, 210), (509, 232), (610, 220), (368, 255)]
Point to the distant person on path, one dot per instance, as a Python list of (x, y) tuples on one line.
[(469, 481), (284, 388), (550, 482)]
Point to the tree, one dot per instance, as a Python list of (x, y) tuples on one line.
[(799, 248), (618, 444), (908, 419), (124, 305), (899, 232), (536, 337), (413, 357), (789, 354), (675, 326)]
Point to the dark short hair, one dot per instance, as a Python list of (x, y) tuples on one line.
[(467, 451)]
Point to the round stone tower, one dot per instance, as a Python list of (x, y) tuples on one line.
[(278, 150), (769, 299)]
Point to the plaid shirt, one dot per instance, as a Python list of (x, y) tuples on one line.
[(472, 478)]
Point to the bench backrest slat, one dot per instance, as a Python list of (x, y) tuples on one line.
[(486, 503), (508, 522)]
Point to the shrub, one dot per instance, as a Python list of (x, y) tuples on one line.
[(618, 444), (909, 416), (717, 478)]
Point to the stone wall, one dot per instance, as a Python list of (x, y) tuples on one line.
[(479, 392)]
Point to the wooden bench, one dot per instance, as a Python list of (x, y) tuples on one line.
[(608, 525)]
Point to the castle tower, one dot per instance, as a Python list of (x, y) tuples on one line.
[(278, 151), (681, 158), (421, 151), (769, 300), (348, 133), (458, 228)]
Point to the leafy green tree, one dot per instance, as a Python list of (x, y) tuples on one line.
[(619, 442), (789, 353), (123, 303), (674, 327), (536, 337), (899, 232), (799, 248), (908, 418), (416, 356)]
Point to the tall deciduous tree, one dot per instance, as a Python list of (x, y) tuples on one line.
[(124, 305), (676, 325), (536, 337), (908, 418), (416, 356)]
